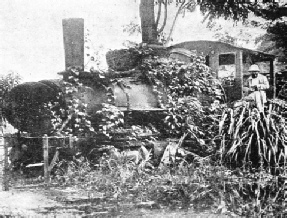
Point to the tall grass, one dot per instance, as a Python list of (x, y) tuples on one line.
[(249, 137)]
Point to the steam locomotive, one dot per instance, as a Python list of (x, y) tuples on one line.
[(24, 106), (222, 58)]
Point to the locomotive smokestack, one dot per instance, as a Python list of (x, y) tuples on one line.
[(73, 33)]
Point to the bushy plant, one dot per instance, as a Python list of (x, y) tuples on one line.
[(248, 136)]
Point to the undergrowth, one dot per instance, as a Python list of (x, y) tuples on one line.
[(201, 186)]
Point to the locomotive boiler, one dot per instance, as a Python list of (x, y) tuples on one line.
[(24, 105)]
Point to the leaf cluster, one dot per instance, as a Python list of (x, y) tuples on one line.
[(71, 117), (111, 119)]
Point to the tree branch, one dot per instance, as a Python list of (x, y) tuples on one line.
[(165, 17), (206, 16), (174, 21)]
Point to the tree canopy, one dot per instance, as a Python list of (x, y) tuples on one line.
[(240, 9), (273, 12)]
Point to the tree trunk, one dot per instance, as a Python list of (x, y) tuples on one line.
[(148, 25)]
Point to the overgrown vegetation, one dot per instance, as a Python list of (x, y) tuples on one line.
[(200, 186), (190, 93), (239, 164), (240, 169), (68, 113), (228, 160)]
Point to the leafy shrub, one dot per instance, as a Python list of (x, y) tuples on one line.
[(187, 92)]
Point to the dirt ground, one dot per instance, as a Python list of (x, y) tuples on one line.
[(55, 202), (24, 203)]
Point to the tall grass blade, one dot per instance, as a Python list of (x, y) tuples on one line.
[(232, 121), (239, 124), (248, 146), (221, 123)]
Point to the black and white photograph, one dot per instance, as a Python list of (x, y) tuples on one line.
[(143, 108)]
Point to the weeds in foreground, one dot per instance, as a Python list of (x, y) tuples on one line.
[(199, 186)]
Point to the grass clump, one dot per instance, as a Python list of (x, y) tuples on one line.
[(249, 137)]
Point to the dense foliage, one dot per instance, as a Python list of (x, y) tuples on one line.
[(277, 34), (187, 91)]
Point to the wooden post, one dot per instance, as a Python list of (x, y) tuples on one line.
[(272, 79), (46, 159), (5, 167), (239, 75)]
